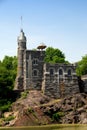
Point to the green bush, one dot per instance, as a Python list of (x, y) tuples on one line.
[(9, 118), (30, 110), (57, 116), (24, 94), (5, 107)]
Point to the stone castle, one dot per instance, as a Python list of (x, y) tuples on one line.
[(55, 80)]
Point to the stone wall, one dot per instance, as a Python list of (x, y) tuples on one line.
[(59, 83), (33, 69), (84, 79)]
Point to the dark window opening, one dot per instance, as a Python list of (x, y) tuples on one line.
[(51, 72), (60, 72), (69, 72), (35, 73), (35, 61)]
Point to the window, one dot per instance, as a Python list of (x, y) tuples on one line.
[(35, 72), (35, 61), (60, 72), (51, 72), (69, 72)]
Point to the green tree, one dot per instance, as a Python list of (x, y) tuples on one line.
[(82, 66), (6, 82), (10, 64), (7, 77), (53, 55), (7, 74)]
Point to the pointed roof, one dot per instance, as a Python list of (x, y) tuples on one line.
[(22, 36)]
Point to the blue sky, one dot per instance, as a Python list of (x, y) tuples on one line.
[(58, 23)]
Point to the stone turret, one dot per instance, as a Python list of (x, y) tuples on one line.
[(20, 70), (21, 48), (22, 40)]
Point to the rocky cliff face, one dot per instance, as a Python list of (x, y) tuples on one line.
[(34, 108)]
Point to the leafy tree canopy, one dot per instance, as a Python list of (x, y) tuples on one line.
[(82, 66), (53, 55), (7, 75)]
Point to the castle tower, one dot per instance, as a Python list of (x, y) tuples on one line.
[(20, 70), (21, 48)]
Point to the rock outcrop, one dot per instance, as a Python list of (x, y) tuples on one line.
[(38, 109)]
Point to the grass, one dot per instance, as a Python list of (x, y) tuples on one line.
[(46, 127)]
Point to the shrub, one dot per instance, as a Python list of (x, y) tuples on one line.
[(57, 116), (9, 118), (24, 94), (5, 107), (30, 110)]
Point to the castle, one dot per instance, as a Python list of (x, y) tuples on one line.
[(55, 80)]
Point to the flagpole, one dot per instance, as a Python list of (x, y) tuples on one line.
[(21, 22)]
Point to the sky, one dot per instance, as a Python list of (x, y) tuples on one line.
[(59, 24)]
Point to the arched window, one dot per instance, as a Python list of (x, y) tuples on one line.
[(35, 72), (35, 62), (60, 72), (51, 72), (69, 72)]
